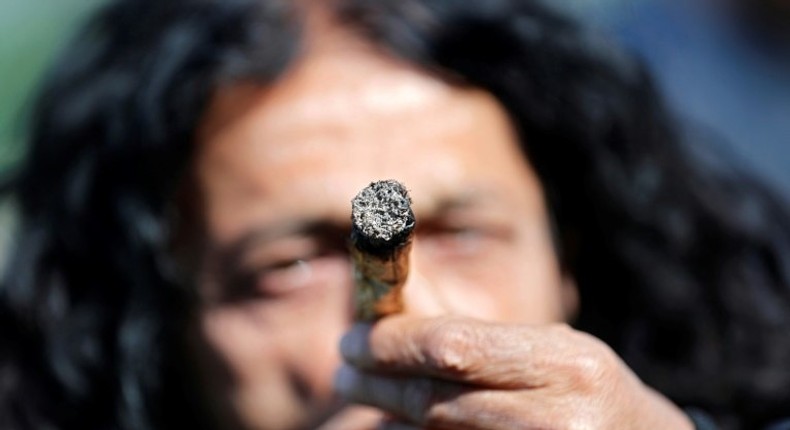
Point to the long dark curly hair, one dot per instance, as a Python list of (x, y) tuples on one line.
[(682, 262)]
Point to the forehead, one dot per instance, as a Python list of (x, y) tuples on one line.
[(339, 118), (334, 101)]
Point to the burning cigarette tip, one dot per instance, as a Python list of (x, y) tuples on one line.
[(382, 218)]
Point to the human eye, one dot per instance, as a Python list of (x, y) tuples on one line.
[(462, 239), (269, 269), (287, 266), (282, 278), (456, 240), (286, 276)]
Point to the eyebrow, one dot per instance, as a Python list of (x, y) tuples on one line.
[(470, 197)]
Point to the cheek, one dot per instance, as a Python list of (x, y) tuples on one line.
[(519, 283), (257, 383), (237, 334), (506, 295), (281, 352), (536, 288)]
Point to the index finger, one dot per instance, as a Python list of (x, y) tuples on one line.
[(459, 349)]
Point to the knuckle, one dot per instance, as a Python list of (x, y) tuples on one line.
[(592, 365), (587, 373), (581, 423), (521, 420), (449, 346)]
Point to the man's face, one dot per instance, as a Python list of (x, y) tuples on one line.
[(277, 168)]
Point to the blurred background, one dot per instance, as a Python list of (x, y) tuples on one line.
[(31, 32), (727, 75)]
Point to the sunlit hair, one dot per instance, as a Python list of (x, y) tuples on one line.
[(682, 263)]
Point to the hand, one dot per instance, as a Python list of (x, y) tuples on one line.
[(454, 373)]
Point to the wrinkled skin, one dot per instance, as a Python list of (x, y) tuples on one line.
[(456, 373)]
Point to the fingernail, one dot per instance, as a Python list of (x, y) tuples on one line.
[(354, 343), (346, 380)]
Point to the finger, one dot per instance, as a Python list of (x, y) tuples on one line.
[(409, 398), (431, 403), (396, 425), (464, 350)]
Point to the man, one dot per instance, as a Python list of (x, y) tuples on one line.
[(187, 205)]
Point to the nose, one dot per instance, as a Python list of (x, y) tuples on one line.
[(421, 295)]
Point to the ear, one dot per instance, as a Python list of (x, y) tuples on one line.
[(569, 295)]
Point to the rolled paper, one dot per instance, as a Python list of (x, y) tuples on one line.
[(381, 235)]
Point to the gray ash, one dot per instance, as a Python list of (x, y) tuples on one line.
[(381, 216)]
